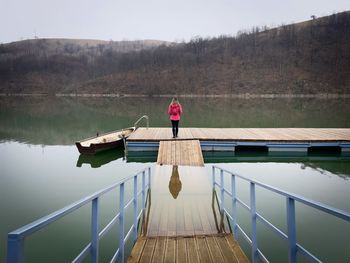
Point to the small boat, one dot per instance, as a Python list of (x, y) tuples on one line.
[(105, 141), (109, 140)]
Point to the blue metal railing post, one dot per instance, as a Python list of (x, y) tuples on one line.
[(253, 222), (222, 191), (121, 223), (15, 247), (94, 231), (292, 247), (143, 190), (135, 208), (234, 206)]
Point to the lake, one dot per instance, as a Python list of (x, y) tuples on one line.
[(41, 169)]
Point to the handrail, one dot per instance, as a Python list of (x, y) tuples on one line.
[(15, 240), (143, 117), (293, 246)]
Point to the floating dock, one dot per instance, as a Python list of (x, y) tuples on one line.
[(228, 139), (176, 152)]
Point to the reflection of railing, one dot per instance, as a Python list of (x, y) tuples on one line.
[(145, 215), (220, 226), (15, 239), (293, 246), (143, 117)]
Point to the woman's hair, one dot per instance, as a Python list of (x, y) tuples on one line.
[(174, 100)]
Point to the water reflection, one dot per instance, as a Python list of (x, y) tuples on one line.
[(332, 162), (62, 121), (222, 226), (101, 158), (184, 214), (175, 182)]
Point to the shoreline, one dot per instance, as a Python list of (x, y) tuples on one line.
[(236, 96)]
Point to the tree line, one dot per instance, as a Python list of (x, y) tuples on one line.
[(308, 57)]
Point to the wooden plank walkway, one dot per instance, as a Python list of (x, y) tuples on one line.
[(180, 152), (244, 134), (213, 248)]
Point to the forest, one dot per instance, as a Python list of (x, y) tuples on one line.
[(311, 57)]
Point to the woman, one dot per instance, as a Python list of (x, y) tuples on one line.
[(175, 111)]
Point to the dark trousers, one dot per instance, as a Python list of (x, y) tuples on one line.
[(175, 125)]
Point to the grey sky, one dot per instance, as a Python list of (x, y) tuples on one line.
[(150, 19)]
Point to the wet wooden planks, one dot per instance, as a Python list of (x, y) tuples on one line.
[(244, 134), (182, 203), (180, 152), (185, 219), (203, 248)]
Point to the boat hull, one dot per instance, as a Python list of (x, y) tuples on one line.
[(94, 148)]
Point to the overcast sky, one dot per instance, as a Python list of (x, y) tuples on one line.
[(174, 20)]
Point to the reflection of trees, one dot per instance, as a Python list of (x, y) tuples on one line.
[(44, 120), (340, 168)]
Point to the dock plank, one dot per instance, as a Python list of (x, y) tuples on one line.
[(180, 152), (181, 255), (147, 252), (244, 134), (214, 250), (237, 250), (159, 250), (192, 250), (136, 252), (225, 250), (195, 249), (203, 250), (170, 255)]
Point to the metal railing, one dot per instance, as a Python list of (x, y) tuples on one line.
[(141, 118), (293, 246), (15, 240)]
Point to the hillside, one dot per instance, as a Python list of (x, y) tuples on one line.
[(62, 46), (311, 57)]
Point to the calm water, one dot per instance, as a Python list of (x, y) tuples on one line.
[(41, 170)]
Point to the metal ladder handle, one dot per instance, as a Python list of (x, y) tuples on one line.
[(143, 117)]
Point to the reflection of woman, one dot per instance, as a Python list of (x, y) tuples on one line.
[(175, 183), (175, 111)]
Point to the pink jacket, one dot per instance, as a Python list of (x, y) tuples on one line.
[(175, 111)]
